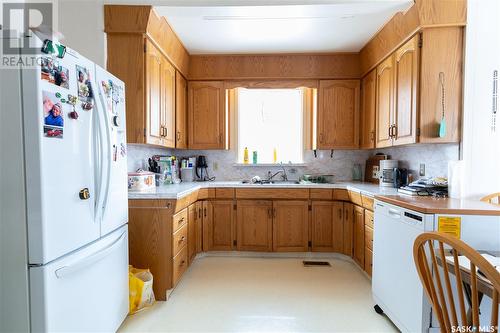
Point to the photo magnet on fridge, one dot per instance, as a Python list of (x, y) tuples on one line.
[(54, 73), (85, 92), (53, 115)]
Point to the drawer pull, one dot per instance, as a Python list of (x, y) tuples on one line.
[(182, 239), (182, 263)]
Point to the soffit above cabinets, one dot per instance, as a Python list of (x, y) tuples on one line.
[(340, 26)]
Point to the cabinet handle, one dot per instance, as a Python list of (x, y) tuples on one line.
[(166, 131), (220, 137), (178, 136), (274, 212), (204, 212), (269, 213), (321, 138), (390, 131), (394, 131), (340, 213), (199, 212), (182, 239), (372, 136)]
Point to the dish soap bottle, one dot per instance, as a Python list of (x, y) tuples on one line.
[(275, 156), (245, 156)]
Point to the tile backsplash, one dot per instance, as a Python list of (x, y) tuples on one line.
[(222, 163)]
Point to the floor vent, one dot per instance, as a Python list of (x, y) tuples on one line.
[(308, 263)]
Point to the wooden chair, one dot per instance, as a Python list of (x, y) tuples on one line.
[(491, 198), (428, 258)]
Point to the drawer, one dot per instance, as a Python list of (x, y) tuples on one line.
[(340, 194), (224, 193), (180, 265), (179, 219), (369, 218), (206, 193), (367, 202), (179, 239), (368, 261), (369, 237), (355, 198), (321, 194)]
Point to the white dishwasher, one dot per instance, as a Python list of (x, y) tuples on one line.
[(396, 286)]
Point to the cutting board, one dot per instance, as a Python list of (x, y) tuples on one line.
[(372, 167)]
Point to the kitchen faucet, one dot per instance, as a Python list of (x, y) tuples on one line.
[(284, 176)]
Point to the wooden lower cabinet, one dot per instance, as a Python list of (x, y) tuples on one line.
[(368, 261), (219, 235), (150, 241), (348, 228), (290, 226), (359, 236), (191, 238), (323, 234), (254, 225), (199, 226)]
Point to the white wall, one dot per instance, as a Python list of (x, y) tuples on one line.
[(81, 23), (481, 146)]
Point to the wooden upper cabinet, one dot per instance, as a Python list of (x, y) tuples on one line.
[(206, 115), (338, 114), (405, 122), (254, 225), (359, 236), (368, 108), (441, 52), (167, 80), (384, 103), (322, 233), (154, 102), (290, 226), (181, 139)]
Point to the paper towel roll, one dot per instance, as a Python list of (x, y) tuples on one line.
[(455, 179)]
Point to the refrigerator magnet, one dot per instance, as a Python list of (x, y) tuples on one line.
[(53, 115), (54, 73)]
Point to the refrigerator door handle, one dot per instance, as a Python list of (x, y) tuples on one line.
[(107, 125), (88, 260), (99, 169)]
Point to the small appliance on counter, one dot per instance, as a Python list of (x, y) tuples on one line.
[(386, 173), (372, 167), (202, 169)]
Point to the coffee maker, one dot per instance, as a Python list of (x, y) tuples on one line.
[(201, 168)]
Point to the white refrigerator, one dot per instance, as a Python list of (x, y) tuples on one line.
[(75, 198)]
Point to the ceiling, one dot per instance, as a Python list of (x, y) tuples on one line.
[(342, 26)]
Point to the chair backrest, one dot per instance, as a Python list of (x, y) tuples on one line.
[(492, 198), (429, 253)]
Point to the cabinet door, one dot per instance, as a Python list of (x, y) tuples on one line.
[(206, 115), (192, 217), (180, 111), (348, 228), (290, 226), (150, 242), (368, 106), (338, 226), (199, 226), (406, 62), (207, 212), (254, 225), (322, 224), (221, 226), (385, 102), (359, 236), (338, 114), (167, 81), (154, 125)]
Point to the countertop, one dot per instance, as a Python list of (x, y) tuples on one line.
[(430, 205), (426, 205), (177, 191)]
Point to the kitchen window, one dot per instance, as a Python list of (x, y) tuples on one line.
[(271, 120)]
